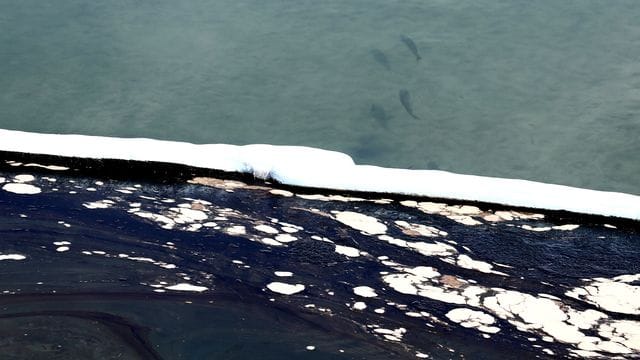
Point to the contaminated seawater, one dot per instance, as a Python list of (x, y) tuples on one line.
[(543, 90)]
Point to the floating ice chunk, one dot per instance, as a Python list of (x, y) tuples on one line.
[(408, 283), (284, 288), (347, 251), (435, 249), (361, 222), (393, 335), (464, 220), (236, 230), (285, 238), (359, 305), (473, 319), (466, 262), (187, 215), (364, 291), (538, 229), (102, 204), (266, 229), (567, 227), (186, 287), (12, 257), (18, 188), (24, 178), (419, 229), (283, 273), (284, 193), (611, 294)]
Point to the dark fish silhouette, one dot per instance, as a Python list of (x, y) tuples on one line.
[(381, 58), (411, 45), (377, 112), (405, 100)]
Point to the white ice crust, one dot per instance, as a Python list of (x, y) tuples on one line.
[(311, 167)]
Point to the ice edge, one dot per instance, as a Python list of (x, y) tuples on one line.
[(317, 168)]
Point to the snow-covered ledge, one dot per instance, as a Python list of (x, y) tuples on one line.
[(311, 167)]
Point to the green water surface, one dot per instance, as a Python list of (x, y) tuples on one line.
[(544, 90)]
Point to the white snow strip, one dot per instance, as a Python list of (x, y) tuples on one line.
[(311, 167)]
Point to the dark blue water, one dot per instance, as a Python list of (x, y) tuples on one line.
[(101, 257)]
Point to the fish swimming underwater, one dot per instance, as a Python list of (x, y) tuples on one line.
[(411, 45), (377, 112), (381, 58), (405, 100)]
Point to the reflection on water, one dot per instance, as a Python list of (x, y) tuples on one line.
[(542, 90)]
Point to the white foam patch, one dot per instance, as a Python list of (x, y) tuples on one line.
[(305, 166), (18, 188), (12, 257), (186, 287), (284, 288)]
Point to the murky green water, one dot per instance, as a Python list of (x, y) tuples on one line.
[(542, 90)]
